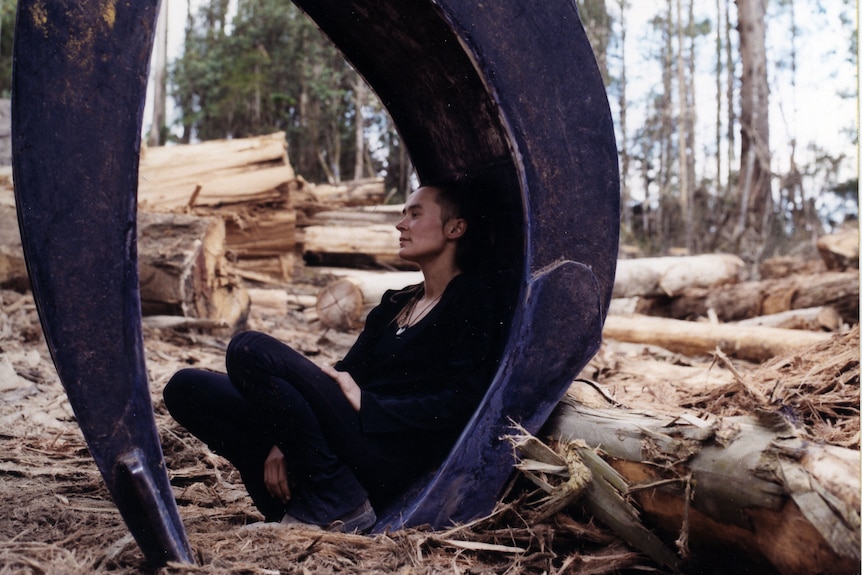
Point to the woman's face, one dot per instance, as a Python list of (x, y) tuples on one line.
[(424, 235)]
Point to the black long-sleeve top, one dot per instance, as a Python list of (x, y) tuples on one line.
[(432, 376)]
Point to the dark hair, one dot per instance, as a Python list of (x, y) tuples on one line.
[(457, 200)]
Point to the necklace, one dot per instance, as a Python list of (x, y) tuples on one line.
[(407, 319)]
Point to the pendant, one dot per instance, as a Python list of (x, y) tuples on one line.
[(401, 330)]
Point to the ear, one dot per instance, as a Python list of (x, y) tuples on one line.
[(455, 228)]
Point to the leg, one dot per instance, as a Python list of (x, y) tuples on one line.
[(308, 415), (208, 405)]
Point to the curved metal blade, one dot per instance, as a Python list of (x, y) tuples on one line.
[(79, 84), (509, 94)]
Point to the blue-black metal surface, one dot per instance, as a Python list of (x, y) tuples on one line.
[(79, 81), (506, 93)]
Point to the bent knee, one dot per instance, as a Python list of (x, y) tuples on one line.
[(180, 388)]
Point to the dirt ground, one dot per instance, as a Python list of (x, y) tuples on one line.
[(57, 516)]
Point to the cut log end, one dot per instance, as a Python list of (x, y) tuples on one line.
[(340, 305)]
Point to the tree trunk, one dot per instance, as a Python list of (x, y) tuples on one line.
[(754, 182), (344, 303), (372, 246), (824, 318), (214, 173), (182, 269), (666, 134), (751, 299), (840, 251), (752, 343), (358, 128), (625, 159), (160, 78), (366, 192), (667, 276), (742, 493), (685, 189), (596, 21)]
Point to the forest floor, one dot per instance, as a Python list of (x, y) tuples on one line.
[(58, 518)]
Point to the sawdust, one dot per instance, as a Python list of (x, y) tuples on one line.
[(58, 518)]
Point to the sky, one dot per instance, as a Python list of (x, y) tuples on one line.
[(813, 111)]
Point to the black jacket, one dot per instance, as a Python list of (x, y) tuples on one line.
[(433, 376)]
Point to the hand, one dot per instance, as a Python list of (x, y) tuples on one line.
[(348, 386), (275, 475)]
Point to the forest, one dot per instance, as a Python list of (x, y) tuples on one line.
[(715, 430), (699, 140)]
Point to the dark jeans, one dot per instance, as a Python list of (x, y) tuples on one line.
[(273, 395)]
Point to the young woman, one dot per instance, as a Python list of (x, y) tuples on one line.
[(325, 445)]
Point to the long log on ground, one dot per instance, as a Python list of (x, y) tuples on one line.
[(751, 299), (669, 275), (182, 268), (824, 318), (745, 494), (753, 343)]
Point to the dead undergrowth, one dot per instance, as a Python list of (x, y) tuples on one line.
[(57, 516)]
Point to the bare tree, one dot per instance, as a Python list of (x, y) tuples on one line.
[(683, 128), (719, 67), (754, 182), (160, 78), (625, 159), (358, 127), (731, 88)]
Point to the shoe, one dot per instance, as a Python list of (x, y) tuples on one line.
[(360, 520)]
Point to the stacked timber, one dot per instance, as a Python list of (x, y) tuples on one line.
[(181, 264), (246, 182), (183, 270), (272, 216)]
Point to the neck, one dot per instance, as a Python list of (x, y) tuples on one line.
[(437, 278)]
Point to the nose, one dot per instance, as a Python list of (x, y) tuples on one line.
[(400, 225)]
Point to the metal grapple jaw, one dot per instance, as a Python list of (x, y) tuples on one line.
[(508, 95)]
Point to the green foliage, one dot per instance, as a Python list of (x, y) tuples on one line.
[(268, 69), (7, 28)]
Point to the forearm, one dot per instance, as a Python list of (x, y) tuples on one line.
[(348, 386)]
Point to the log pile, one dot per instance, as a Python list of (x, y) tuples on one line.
[(181, 265), (198, 236), (688, 304), (250, 184), (245, 182)]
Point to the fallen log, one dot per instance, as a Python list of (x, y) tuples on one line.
[(261, 238), (840, 251), (752, 299), (364, 192), (359, 217), (212, 173), (690, 338), (182, 268), (669, 275), (349, 246), (745, 494), (344, 303), (825, 318)]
